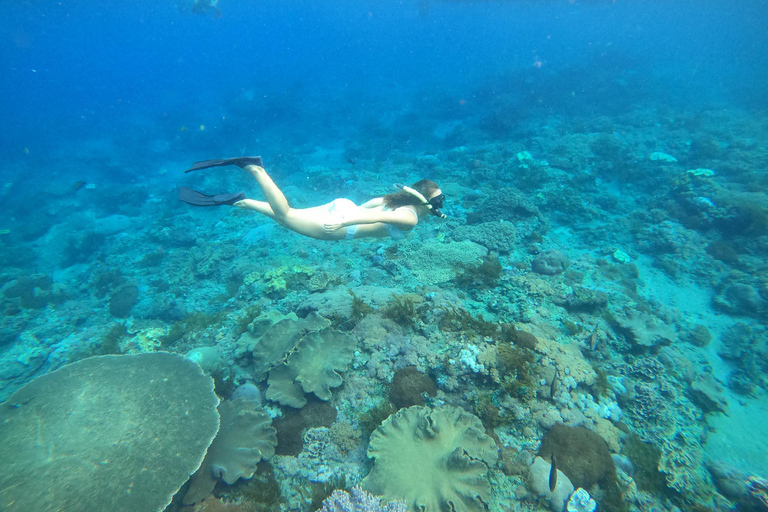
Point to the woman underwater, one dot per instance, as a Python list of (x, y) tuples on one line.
[(391, 215)]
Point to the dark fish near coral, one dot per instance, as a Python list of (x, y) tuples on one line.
[(553, 386), (553, 475), (77, 186), (594, 339), (351, 161)]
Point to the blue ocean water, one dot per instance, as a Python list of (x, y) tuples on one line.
[(604, 171)]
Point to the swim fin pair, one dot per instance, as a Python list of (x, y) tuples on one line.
[(240, 161), (196, 198)]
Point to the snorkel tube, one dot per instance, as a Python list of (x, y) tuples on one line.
[(418, 195)]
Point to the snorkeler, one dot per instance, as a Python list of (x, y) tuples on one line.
[(391, 215)]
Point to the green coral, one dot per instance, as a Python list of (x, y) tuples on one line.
[(194, 322), (371, 419), (360, 308), (260, 493), (280, 279), (516, 369), (487, 411), (460, 320), (484, 275), (102, 422), (271, 337), (276, 286), (645, 458), (249, 314), (311, 368), (572, 327), (110, 342), (601, 385), (401, 310), (318, 491), (433, 458)]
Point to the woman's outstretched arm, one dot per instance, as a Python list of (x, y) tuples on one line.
[(403, 218)]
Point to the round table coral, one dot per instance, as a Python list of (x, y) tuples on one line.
[(118, 433)]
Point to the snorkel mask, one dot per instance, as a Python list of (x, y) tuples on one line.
[(433, 204)]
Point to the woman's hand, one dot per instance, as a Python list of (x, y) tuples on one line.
[(332, 227)]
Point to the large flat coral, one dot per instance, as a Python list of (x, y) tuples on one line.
[(117, 433), (245, 438), (312, 368), (433, 458)]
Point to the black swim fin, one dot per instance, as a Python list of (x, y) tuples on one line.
[(239, 161), (196, 198)]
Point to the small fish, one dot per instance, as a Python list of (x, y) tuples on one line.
[(594, 339), (554, 383), (553, 475), (351, 161), (77, 186)]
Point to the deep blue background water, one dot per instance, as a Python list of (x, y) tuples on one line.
[(72, 70)]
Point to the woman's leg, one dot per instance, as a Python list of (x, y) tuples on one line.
[(258, 206), (305, 221), (277, 201)]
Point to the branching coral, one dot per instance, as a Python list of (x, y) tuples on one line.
[(357, 500)]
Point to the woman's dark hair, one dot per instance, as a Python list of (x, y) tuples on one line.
[(425, 187)]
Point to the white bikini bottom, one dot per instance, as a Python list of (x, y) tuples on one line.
[(338, 208)]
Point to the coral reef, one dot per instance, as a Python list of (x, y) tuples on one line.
[(208, 358), (498, 236), (707, 393), (641, 328), (357, 500), (100, 423), (508, 204), (540, 471), (401, 310), (409, 386), (479, 277), (433, 459), (602, 266), (32, 292), (344, 304), (434, 262), (271, 337), (245, 437), (585, 458), (581, 501), (291, 425), (757, 492), (122, 301), (311, 368), (550, 263)]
